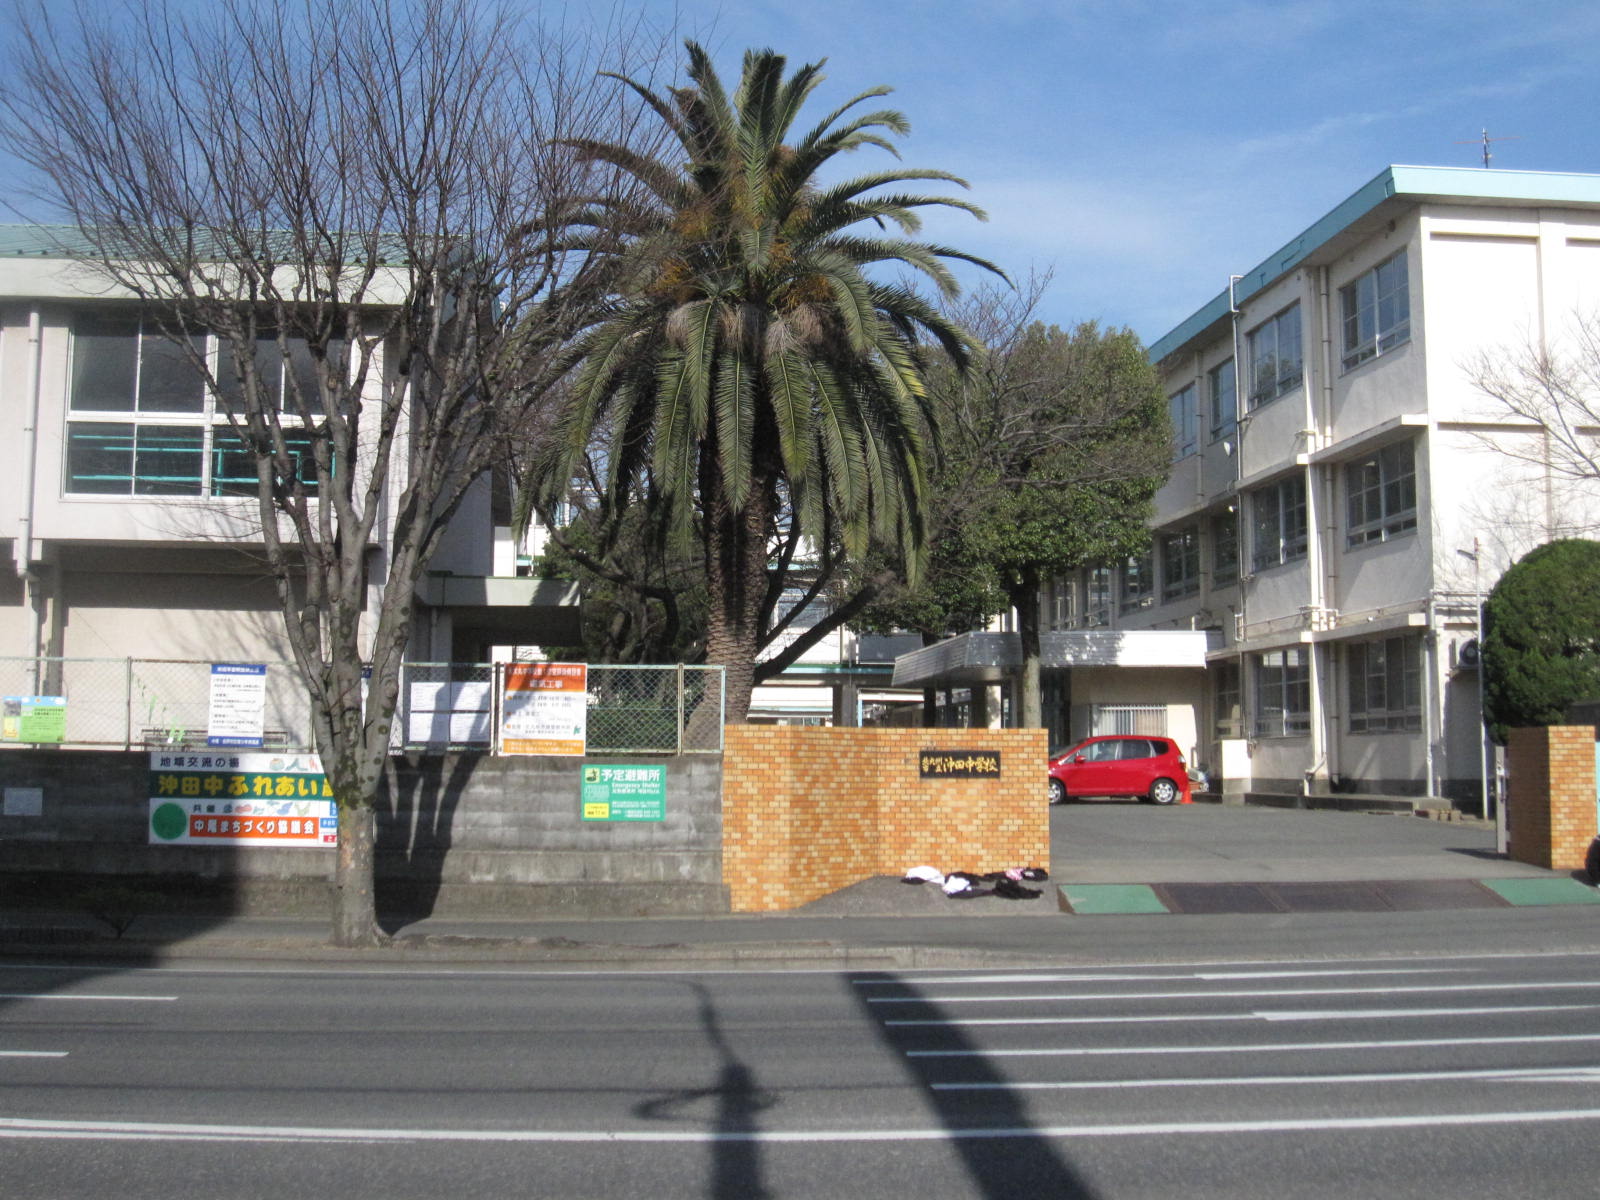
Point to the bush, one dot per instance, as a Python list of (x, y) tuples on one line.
[(1541, 637)]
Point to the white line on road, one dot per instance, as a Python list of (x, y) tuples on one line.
[(1511, 1075), (20, 1128), (1255, 1048), (1147, 977), (1349, 1014), (79, 996), (33, 1053), (1026, 998)]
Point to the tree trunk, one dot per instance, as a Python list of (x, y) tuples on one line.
[(1029, 709), (355, 914)]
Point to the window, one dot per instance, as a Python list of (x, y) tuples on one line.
[(1064, 604), (1386, 685), (1222, 398), (1377, 312), (1227, 701), (1283, 692), (1138, 583), (1180, 564), (1098, 610), (1183, 407), (1225, 548), (141, 421), (1381, 495), (1279, 512), (1147, 719), (1275, 357)]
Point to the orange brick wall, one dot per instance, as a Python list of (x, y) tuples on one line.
[(1550, 812), (807, 810)]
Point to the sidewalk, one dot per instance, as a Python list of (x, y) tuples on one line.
[(1127, 882)]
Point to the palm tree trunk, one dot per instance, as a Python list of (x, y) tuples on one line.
[(736, 579)]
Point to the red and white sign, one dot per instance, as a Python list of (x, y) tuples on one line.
[(544, 709)]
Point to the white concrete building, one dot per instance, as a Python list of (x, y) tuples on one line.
[(128, 524), (1341, 491)]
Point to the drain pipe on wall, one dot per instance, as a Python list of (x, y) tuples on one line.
[(22, 549)]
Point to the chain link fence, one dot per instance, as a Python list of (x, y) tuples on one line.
[(133, 703)]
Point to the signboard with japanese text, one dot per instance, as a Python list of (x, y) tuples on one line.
[(210, 798), (544, 709), (238, 704), (959, 764), (38, 719), (624, 793)]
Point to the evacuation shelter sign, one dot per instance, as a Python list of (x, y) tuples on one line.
[(624, 793), (212, 799), (238, 704), (544, 709)]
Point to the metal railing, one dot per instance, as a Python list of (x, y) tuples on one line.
[(141, 703)]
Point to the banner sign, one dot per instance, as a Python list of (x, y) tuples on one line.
[(33, 719), (210, 799), (238, 704), (624, 793), (959, 764), (544, 708)]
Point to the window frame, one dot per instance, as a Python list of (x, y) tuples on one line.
[(1224, 572), (1272, 374), (1284, 687), (1289, 533), (1383, 685), (1185, 580), (1138, 589), (1381, 501), (1099, 590), (203, 433), (1183, 410), (1224, 404), (1366, 331)]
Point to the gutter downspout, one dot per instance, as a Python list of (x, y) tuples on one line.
[(1242, 617), (22, 550), (1311, 433)]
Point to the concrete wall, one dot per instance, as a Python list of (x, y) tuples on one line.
[(809, 810), (459, 833)]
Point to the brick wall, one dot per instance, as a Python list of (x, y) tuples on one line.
[(1550, 811), (807, 810)]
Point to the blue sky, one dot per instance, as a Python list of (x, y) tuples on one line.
[(1146, 149)]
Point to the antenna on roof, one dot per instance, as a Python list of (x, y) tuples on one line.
[(1486, 139)]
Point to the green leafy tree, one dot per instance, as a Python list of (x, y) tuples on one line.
[(1541, 643), (1057, 442), (754, 378)]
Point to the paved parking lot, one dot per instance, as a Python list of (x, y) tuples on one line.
[(1128, 842)]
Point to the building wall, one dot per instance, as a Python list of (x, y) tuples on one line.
[(809, 810), (1551, 812)]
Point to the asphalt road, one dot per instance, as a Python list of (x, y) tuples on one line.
[(1467, 1075)]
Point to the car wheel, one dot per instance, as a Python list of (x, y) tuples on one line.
[(1058, 792), (1163, 791)]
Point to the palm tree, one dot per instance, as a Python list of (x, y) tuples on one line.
[(748, 361)]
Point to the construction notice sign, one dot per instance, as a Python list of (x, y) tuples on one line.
[(238, 704), (211, 799), (544, 709)]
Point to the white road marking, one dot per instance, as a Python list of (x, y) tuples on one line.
[(33, 1053), (1351, 1014), (80, 996), (21, 1128), (1511, 1075), (1255, 1048), (1146, 977), (1244, 993)]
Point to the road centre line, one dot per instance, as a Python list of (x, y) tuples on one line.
[(21, 1128), (1510, 1075), (1349, 1014), (1257, 1047), (83, 996), (33, 1053), (1028, 998)]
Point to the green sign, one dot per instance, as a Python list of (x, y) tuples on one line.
[(33, 719), (624, 793)]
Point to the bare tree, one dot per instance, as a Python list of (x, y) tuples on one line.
[(374, 193)]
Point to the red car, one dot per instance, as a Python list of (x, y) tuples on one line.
[(1151, 768)]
